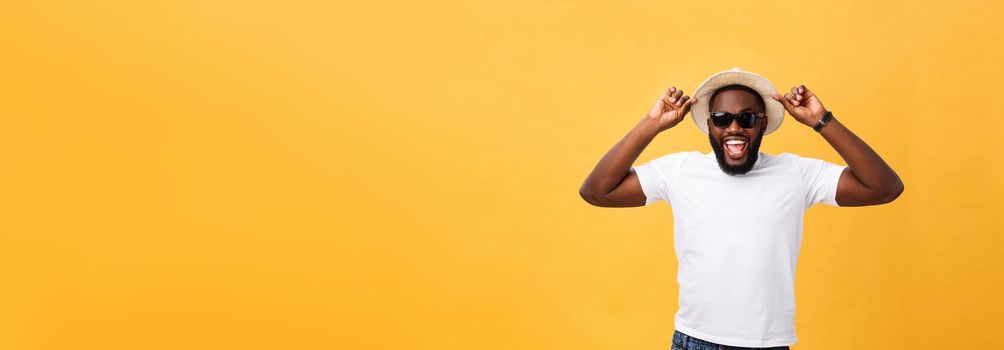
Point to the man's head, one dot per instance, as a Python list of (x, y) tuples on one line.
[(736, 148)]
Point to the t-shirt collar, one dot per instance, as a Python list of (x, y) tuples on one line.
[(759, 159)]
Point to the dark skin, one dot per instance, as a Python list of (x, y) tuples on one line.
[(868, 180), (736, 101)]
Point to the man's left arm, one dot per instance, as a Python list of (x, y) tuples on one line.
[(868, 180)]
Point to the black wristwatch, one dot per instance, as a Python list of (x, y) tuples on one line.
[(822, 122)]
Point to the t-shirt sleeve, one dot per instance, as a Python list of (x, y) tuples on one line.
[(820, 178), (654, 177)]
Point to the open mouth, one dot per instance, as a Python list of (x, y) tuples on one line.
[(735, 148)]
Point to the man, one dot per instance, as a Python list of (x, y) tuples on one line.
[(737, 211)]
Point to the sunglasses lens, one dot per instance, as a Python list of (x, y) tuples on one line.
[(746, 119), (721, 120)]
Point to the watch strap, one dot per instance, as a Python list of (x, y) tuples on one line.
[(822, 122)]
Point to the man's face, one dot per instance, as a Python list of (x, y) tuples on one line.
[(735, 147)]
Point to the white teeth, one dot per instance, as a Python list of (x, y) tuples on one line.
[(735, 142)]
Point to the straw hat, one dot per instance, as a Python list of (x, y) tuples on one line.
[(699, 111)]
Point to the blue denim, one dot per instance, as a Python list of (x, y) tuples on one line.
[(685, 342)]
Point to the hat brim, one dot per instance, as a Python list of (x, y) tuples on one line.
[(699, 111)]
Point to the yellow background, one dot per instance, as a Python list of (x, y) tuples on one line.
[(314, 175)]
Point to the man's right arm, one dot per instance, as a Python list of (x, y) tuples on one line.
[(612, 183)]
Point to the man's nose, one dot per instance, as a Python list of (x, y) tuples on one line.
[(734, 126)]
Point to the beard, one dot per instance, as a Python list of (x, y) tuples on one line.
[(751, 156)]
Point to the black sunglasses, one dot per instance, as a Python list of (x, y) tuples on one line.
[(745, 119)]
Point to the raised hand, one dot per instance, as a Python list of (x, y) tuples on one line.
[(802, 104), (670, 108)]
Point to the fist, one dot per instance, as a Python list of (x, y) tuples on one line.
[(670, 108), (802, 104)]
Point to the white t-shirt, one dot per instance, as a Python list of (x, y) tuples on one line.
[(737, 239)]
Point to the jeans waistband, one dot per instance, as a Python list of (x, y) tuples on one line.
[(686, 342)]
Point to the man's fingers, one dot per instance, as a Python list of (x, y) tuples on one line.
[(682, 100), (794, 100), (674, 99), (805, 92), (664, 100), (690, 102), (790, 98), (784, 101)]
